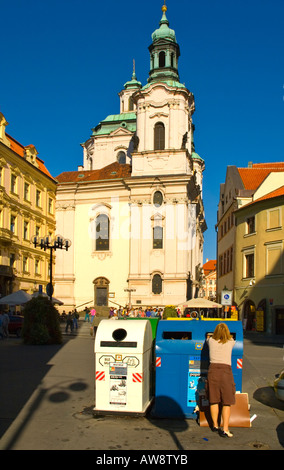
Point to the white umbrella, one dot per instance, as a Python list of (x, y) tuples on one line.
[(20, 297), (200, 302), (43, 294)]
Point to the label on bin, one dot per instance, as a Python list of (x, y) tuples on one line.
[(118, 383)]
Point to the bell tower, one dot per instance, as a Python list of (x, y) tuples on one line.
[(164, 52)]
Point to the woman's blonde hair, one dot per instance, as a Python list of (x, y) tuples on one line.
[(222, 333)]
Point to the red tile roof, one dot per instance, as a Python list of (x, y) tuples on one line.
[(253, 177), (19, 149), (209, 266), (113, 171), (276, 193)]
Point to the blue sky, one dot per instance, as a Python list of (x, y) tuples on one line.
[(63, 63)]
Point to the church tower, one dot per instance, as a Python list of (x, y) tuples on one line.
[(134, 210)]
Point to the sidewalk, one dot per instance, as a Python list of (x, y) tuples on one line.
[(48, 397)]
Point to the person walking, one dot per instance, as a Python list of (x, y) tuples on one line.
[(221, 386), (69, 322), (93, 314), (87, 315), (5, 324)]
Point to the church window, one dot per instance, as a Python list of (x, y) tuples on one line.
[(102, 232), (158, 237), (157, 284), (121, 158), (158, 199), (130, 104), (159, 136), (162, 59)]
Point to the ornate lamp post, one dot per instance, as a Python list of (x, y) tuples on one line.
[(46, 243)]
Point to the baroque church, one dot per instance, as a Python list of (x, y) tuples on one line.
[(134, 209)]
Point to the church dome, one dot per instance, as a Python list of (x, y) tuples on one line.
[(164, 32)]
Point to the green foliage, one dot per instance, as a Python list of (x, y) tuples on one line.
[(169, 312), (41, 322)]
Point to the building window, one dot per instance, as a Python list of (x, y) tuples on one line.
[(37, 266), (274, 257), (249, 265), (251, 225), (26, 229), (25, 264), (274, 218), (157, 284), (121, 158), (13, 224), (38, 197), (26, 191), (102, 232), (13, 183), (162, 59), (158, 237), (158, 199), (50, 205), (159, 136), (12, 260)]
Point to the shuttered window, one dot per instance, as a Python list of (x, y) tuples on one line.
[(159, 136)]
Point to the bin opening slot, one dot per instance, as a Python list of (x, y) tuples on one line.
[(185, 335), (119, 344), (210, 333)]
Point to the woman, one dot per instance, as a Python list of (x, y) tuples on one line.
[(221, 386)]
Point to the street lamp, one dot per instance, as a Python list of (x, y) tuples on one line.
[(47, 243), (129, 290)]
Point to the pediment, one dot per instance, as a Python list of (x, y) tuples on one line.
[(121, 131)]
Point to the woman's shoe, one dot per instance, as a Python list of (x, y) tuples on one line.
[(214, 429), (226, 434)]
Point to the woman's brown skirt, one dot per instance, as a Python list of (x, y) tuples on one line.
[(221, 386)]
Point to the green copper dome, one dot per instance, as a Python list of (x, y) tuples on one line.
[(164, 32)]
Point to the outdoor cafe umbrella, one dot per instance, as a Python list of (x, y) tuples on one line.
[(43, 294), (199, 303), (20, 297)]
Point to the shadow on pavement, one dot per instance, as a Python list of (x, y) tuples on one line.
[(22, 369)]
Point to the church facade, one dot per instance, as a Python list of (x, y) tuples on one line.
[(134, 209)]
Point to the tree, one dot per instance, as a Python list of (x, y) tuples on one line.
[(41, 322)]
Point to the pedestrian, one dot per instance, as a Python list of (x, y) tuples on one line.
[(69, 322), (75, 319), (93, 314), (5, 324), (1, 326), (87, 315), (221, 386)]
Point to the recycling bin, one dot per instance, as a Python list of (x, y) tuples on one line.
[(182, 361), (123, 364), (153, 322)]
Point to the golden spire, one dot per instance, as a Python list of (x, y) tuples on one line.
[(164, 7)]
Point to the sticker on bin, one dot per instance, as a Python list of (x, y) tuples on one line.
[(239, 363), (137, 377), (158, 362), (100, 375)]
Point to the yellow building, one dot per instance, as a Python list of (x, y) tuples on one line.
[(259, 260), (27, 208)]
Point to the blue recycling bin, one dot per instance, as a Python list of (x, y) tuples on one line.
[(182, 361)]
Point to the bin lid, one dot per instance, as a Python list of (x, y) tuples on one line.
[(122, 337)]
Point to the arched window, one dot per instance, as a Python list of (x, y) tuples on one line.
[(159, 136), (121, 158), (162, 59), (157, 237), (158, 199), (157, 284), (102, 232)]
